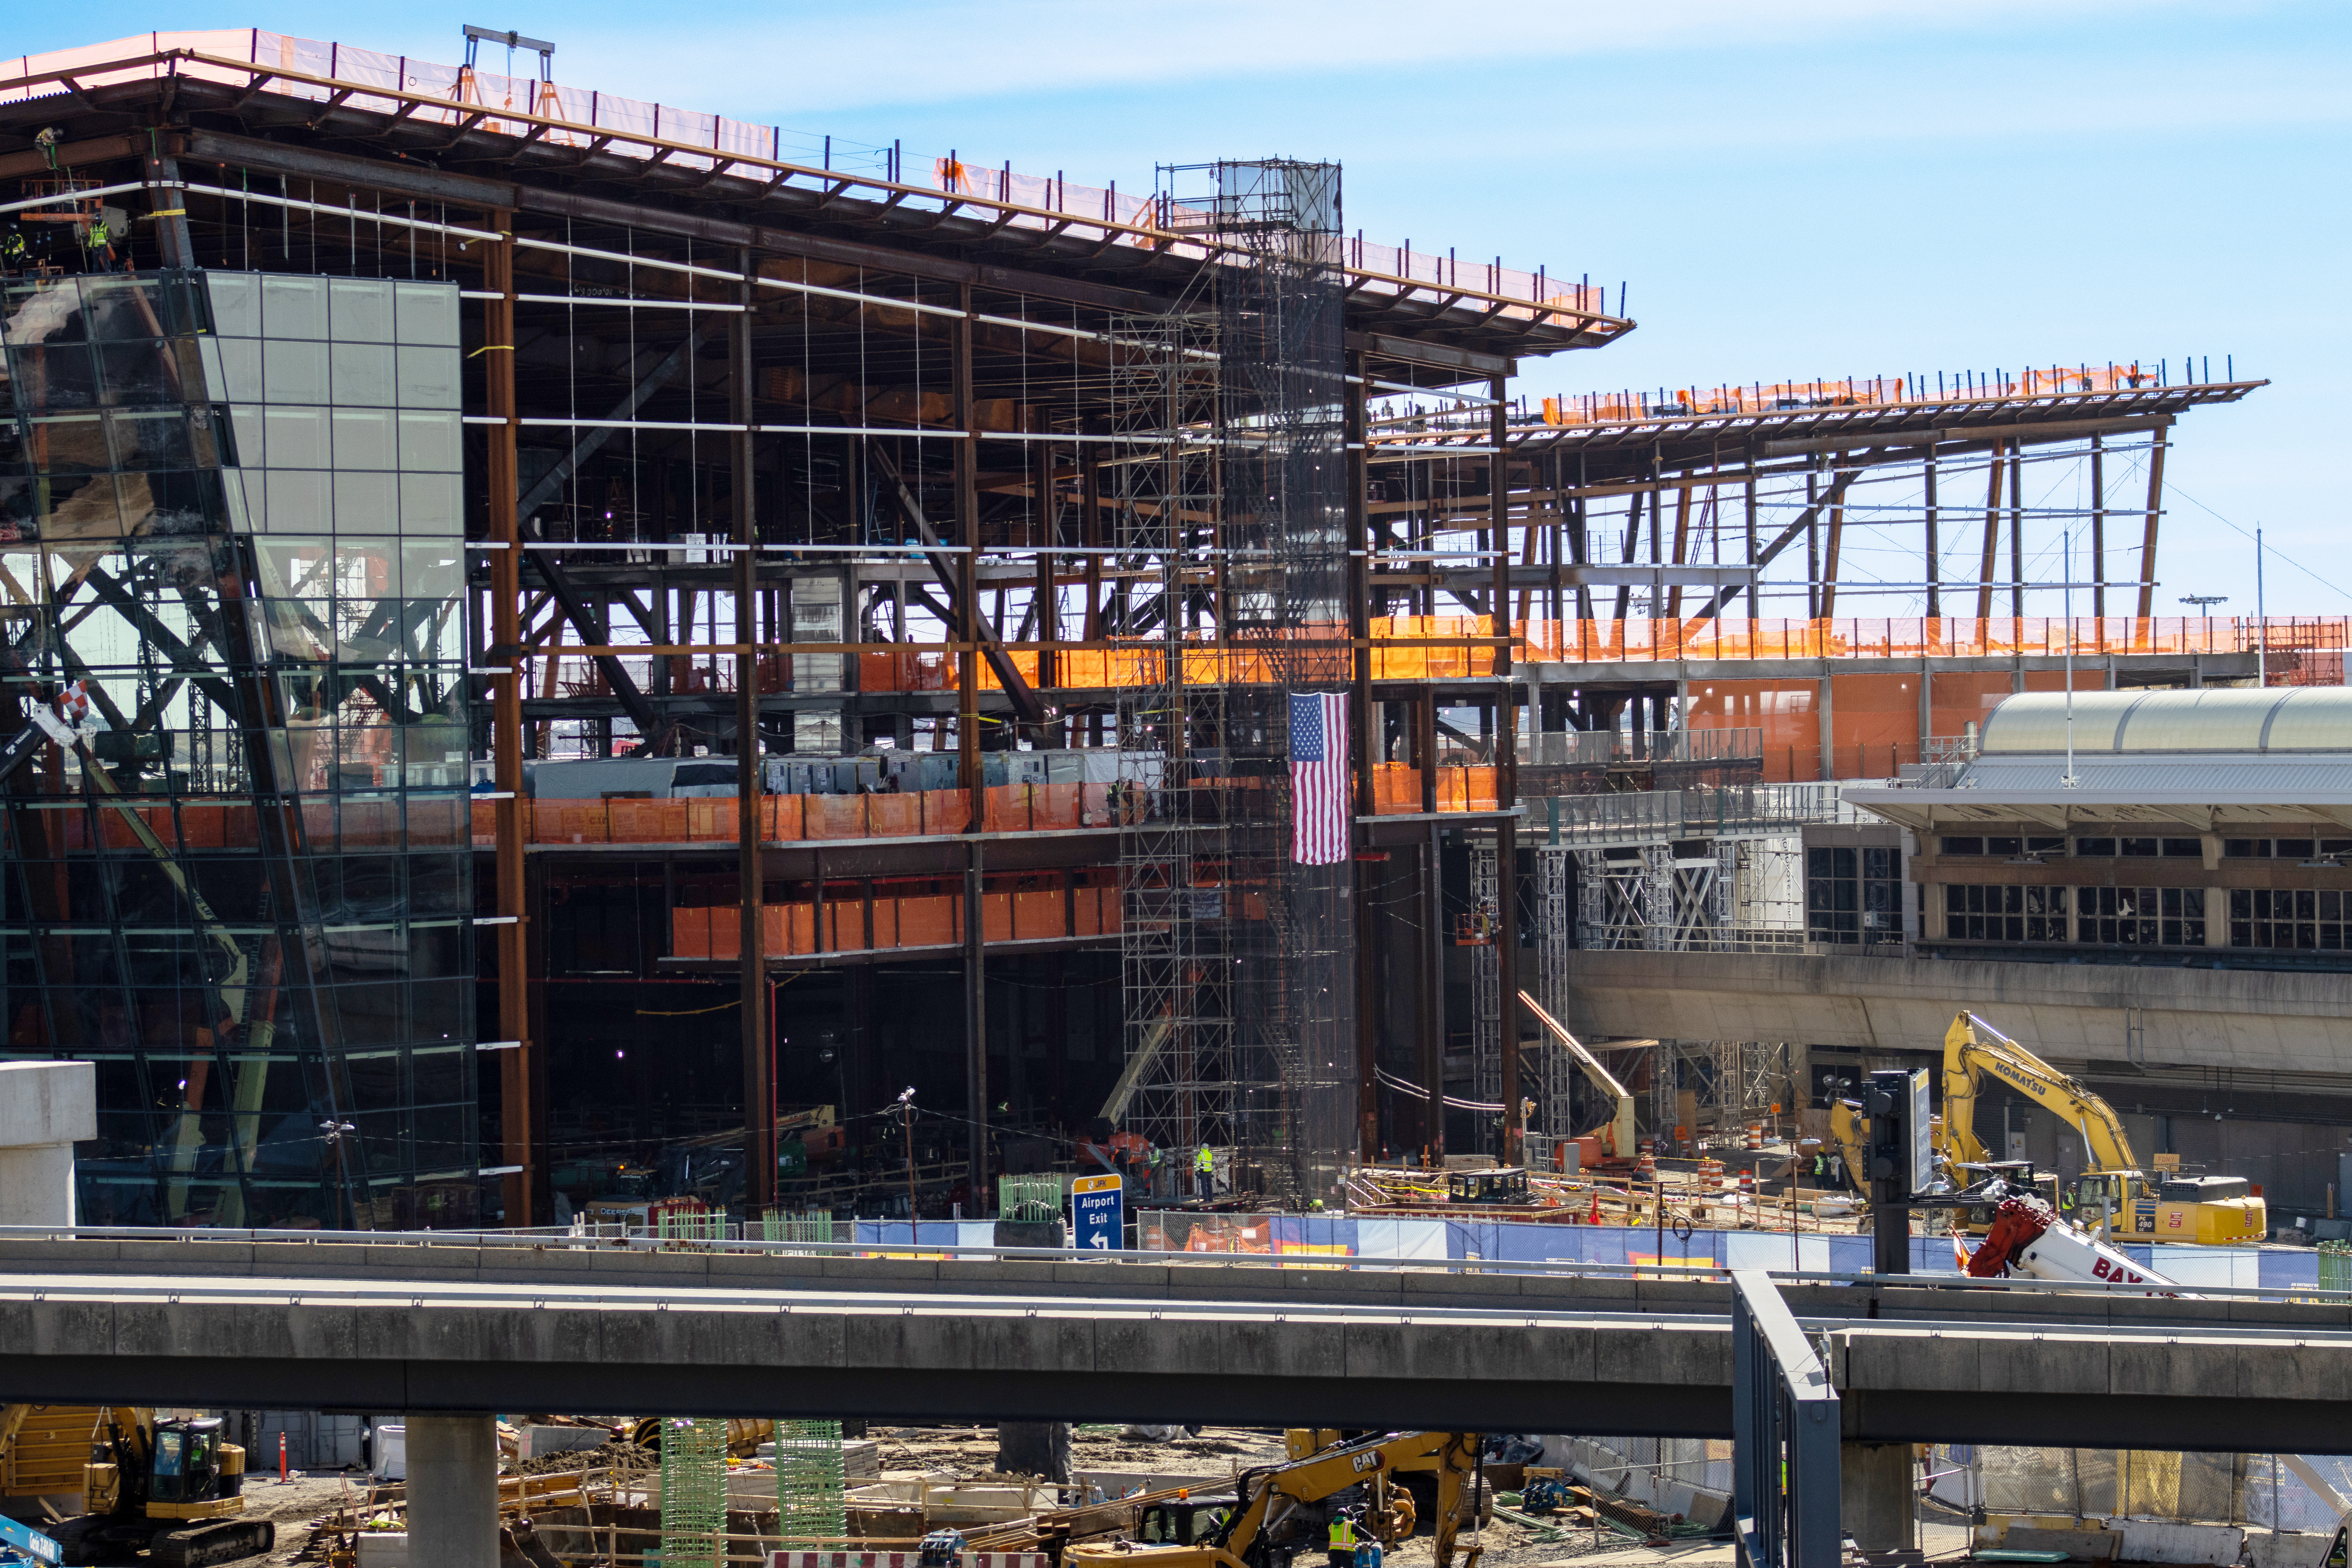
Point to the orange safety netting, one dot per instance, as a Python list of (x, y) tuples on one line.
[(937, 920), (787, 818), (1947, 637), (1445, 648)]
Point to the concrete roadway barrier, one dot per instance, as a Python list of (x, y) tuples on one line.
[(459, 1328)]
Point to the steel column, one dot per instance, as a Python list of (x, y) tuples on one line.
[(759, 1075), (2155, 510), (515, 1067)]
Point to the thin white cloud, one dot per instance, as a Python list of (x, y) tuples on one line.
[(963, 50)]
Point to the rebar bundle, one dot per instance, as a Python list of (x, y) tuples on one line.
[(1029, 1199), (811, 1490), (693, 1492), (781, 1225)]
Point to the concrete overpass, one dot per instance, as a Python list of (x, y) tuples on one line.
[(2291, 1024), (468, 1327)]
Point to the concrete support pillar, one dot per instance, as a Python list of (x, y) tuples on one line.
[(1874, 1494), (1033, 1449), (43, 1108), (453, 1490)]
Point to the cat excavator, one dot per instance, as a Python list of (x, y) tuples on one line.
[(171, 1487), (2210, 1211), (1281, 1511)]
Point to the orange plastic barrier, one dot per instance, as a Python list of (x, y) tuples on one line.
[(1434, 660), (1006, 808), (1057, 806), (1396, 789), (930, 921), (946, 811), (894, 816), (1947, 637), (995, 917), (1040, 913), (834, 816)]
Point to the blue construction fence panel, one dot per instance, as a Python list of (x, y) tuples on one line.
[(928, 1233), (1507, 1241)]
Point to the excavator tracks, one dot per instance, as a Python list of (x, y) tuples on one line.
[(223, 1541)]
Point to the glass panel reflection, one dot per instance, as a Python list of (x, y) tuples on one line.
[(239, 881)]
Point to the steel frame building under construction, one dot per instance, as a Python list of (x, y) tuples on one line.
[(740, 625)]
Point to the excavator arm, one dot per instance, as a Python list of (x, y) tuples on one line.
[(1973, 1047), (1267, 1499), (1369, 1462), (1851, 1128)]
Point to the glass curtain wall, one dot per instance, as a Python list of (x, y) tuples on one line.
[(238, 872)]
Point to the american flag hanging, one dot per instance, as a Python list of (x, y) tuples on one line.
[(1319, 777)]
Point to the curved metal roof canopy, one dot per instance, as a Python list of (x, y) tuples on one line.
[(2278, 719)]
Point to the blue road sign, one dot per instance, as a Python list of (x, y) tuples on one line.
[(1097, 1213)]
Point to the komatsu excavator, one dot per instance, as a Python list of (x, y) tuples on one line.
[(1284, 1511), (2210, 1211)]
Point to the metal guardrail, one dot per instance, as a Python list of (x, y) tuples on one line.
[(1646, 816), (1598, 748), (1785, 1434)]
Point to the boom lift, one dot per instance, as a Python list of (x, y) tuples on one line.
[(1284, 1511), (2028, 1237), (1617, 1138)]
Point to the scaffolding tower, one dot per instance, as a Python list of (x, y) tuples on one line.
[(1555, 1068), (1235, 958), (1486, 1002), (1281, 423), (1175, 974)]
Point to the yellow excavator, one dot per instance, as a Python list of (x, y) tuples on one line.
[(2210, 1211), (1283, 1511), (172, 1488)]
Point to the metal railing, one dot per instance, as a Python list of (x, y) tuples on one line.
[(1785, 1434), (1600, 748), (1639, 816)]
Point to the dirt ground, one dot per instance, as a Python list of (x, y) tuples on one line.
[(970, 1453), (295, 1508)]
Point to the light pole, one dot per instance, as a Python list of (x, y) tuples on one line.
[(2204, 604)]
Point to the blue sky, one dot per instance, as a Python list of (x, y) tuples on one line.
[(1791, 188)]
